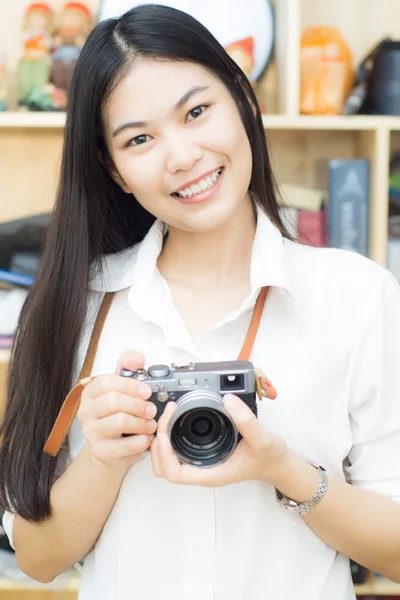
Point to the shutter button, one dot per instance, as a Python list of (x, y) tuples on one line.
[(158, 371)]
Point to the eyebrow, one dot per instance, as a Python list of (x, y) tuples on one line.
[(181, 102)]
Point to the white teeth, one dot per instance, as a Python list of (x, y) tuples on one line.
[(202, 186)]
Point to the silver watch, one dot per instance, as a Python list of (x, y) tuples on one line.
[(303, 508)]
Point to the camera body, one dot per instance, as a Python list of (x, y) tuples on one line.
[(171, 383), (201, 431)]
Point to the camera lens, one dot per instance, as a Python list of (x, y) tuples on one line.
[(202, 426), (202, 432)]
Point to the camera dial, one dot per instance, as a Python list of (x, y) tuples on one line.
[(158, 371), (140, 374)]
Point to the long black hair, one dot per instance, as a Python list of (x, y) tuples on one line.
[(94, 217)]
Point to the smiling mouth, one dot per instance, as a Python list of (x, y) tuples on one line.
[(202, 186)]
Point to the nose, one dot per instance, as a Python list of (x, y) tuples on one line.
[(182, 153)]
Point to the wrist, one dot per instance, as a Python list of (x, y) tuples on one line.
[(294, 477), (101, 469)]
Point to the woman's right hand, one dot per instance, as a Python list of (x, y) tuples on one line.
[(112, 405)]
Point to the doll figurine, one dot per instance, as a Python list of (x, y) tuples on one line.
[(34, 67), (242, 52), (3, 85), (75, 23)]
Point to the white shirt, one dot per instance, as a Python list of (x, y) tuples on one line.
[(328, 341)]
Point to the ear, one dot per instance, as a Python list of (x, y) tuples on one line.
[(114, 173)]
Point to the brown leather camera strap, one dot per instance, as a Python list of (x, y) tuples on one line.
[(71, 403), (70, 406)]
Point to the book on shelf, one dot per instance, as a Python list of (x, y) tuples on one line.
[(337, 218), (308, 227), (16, 279), (393, 257), (302, 198), (6, 342), (303, 212), (348, 204), (13, 293)]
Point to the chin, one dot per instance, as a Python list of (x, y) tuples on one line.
[(207, 220)]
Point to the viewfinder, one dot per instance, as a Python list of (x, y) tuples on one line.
[(232, 383)]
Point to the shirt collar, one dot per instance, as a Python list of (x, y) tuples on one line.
[(137, 266)]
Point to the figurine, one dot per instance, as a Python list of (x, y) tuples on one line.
[(75, 24), (242, 52), (34, 67), (3, 84), (48, 98)]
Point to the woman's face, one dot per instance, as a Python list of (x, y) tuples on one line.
[(176, 139)]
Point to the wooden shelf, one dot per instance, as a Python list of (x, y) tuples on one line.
[(4, 355), (379, 586), (71, 585), (56, 120), (335, 122), (39, 120)]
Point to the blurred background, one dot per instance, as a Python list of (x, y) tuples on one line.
[(327, 77)]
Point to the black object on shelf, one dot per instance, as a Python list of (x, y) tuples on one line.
[(384, 86), (21, 243), (358, 573), (358, 100)]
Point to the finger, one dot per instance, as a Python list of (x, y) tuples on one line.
[(155, 458), (169, 463), (115, 425), (131, 360), (114, 402), (115, 383), (114, 450), (165, 417), (245, 421)]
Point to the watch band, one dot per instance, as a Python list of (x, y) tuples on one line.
[(303, 508)]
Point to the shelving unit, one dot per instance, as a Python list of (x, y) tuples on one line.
[(31, 143), (10, 590), (378, 586)]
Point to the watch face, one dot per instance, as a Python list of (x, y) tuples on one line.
[(244, 27)]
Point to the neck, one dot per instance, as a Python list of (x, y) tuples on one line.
[(217, 257)]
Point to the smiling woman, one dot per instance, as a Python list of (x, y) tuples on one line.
[(167, 238), (166, 151)]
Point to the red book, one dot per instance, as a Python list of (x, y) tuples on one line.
[(311, 228)]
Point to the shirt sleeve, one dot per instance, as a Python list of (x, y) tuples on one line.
[(63, 461), (374, 408)]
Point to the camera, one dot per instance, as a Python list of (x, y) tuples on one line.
[(201, 430)]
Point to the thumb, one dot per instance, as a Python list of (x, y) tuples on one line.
[(131, 360), (245, 420)]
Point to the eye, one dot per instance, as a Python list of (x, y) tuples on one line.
[(196, 112), (139, 140)]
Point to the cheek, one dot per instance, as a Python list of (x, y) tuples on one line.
[(234, 139), (142, 173)]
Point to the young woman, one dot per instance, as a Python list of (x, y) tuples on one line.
[(167, 199)]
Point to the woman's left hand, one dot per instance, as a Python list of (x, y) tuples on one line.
[(256, 456)]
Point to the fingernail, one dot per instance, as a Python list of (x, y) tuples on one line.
[(151, 410), (144, 391), (151, 437), (151, 425), (229, 399)]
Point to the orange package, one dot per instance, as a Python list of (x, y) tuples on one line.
[(326, 72)]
